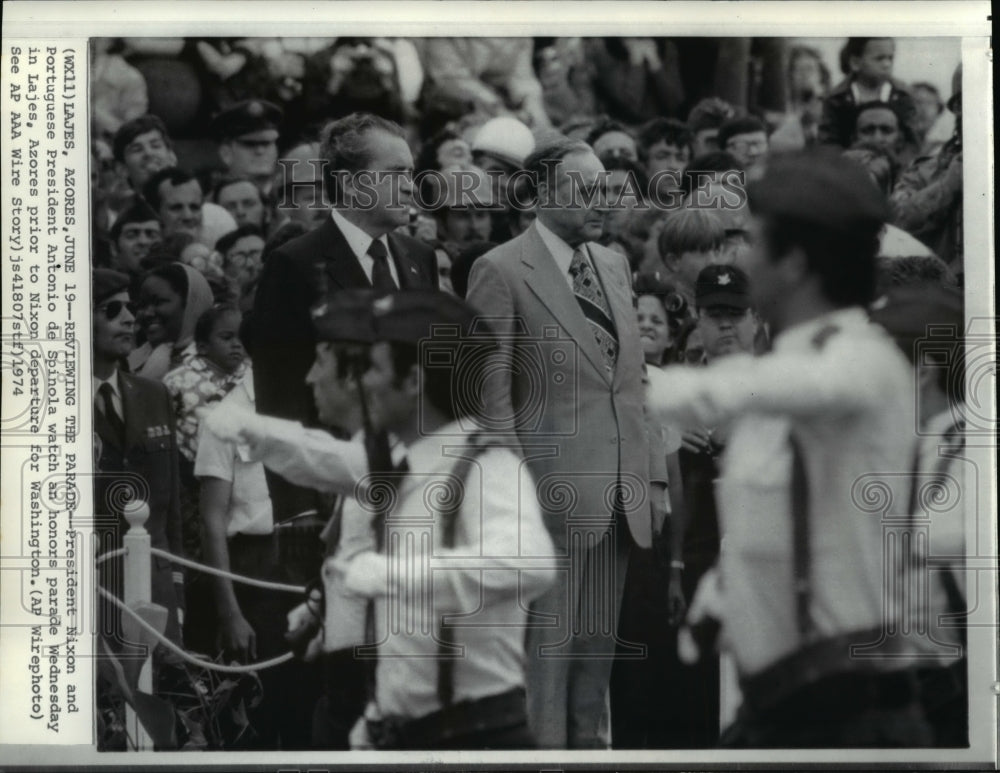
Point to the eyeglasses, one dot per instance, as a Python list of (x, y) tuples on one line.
[(742, 146), (112, 309)]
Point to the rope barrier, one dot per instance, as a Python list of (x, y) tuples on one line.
[(201, 663), (109, 555), (300, 589)]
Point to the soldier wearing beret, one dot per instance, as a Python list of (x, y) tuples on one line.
[(457, 680), (332, 462), (134, 441), (248, 135), (803, 564), (927, 321)]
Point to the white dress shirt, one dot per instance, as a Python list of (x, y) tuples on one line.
[(560, 250), (483, 577), (850, 403), (359, 242)]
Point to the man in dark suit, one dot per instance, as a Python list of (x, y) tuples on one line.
[(368, 169), (554, 292), (136, 454)]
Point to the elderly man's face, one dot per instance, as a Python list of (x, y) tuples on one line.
[(573, 209), (382, 194), (879, 126)]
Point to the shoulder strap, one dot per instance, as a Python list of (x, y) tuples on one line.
[(478, 444), (801, 531)]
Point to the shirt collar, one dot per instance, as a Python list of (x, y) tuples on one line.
[(800, 337), (883, 93), (113, 380), (427, 454), (558, 248), (357, 239)]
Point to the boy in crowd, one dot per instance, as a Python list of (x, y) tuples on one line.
[(664, 150)]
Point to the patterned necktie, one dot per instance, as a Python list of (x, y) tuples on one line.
[(107, 407), (590, 296), (382, 280)]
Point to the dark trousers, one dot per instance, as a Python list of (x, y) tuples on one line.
[(343, 700), (876, 711), (283, 718)]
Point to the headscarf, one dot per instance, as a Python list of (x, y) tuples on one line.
[(154, 362)]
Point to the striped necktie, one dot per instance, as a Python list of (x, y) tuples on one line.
[(593, 303)]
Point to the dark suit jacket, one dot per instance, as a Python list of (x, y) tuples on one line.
[(594, 420), (294, 278), (147, 465)]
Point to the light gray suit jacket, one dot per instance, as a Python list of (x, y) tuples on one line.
[(582, 428)]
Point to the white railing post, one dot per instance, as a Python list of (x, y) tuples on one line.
[(137, 591)]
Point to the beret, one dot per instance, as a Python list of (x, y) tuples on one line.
[(345, 315), (722, 286), (819, 187), (412, 316), (247, 117), (107, 282), (925, 311)]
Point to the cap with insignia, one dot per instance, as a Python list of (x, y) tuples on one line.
[(252, 119), (821, 188), (345, 315), (722, 286), (412, 316), (107, 282)]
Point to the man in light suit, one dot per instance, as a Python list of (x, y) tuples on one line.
[(563, 308), (357, 246)]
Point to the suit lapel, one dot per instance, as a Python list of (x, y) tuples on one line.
[(619, 296), (406, 268), (132, 406), (544, 279), (339, 261)]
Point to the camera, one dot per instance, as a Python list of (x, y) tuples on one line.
[(543, 373)]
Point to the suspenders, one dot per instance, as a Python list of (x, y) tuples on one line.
[(801, 532), (478, 443)]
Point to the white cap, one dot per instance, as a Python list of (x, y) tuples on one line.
[(505, 138)]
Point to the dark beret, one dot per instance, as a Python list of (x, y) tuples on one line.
[(247, 117), (819, 187), (411, 316), (923, 312), (345, 315), (106, 282)]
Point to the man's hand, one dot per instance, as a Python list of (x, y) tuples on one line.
[(658, 505), (676, 603), (697, 440), (237, 636)]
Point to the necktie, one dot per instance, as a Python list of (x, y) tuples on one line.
[(107, 407), (590, 296), (382, 280)]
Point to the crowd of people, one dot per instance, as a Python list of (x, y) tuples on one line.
[(622, 291)]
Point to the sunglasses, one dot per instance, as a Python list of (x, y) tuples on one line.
[(112, 309)]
